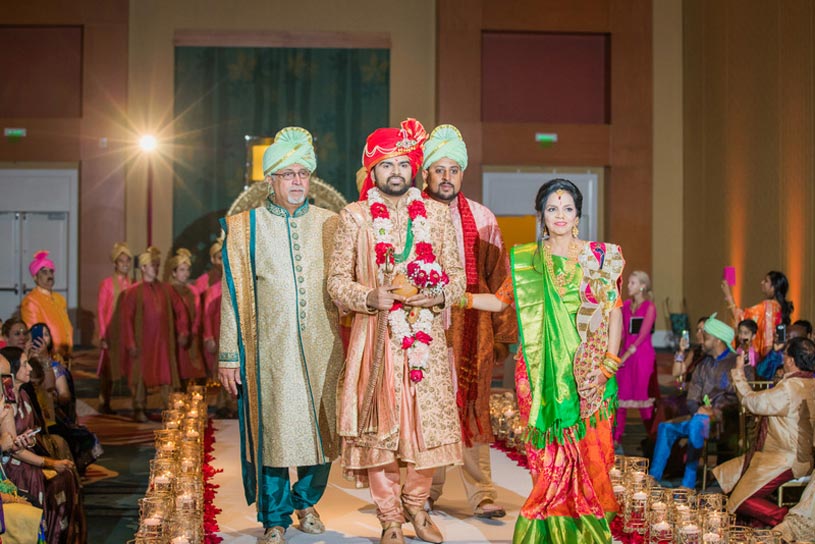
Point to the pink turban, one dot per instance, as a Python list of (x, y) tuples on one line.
[(40, 261)]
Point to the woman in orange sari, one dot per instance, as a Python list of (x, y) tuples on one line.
[(774, 310), (566, 293)]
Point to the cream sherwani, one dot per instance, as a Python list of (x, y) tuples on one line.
[(280, 327), (788, 445), (427, 433)]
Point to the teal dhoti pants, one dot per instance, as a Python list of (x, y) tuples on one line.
[(278, 499)]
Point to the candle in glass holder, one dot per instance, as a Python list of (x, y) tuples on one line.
[(152, 522), (711, 538), (185, 501), (689, 534), (161, 480), (661, 533)]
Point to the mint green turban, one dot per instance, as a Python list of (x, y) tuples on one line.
[(292, 145), (445, 142), (720, 330)]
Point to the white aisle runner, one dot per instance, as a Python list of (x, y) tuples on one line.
[(348, 513)]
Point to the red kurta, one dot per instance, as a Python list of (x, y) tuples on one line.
[(151, 319), (109, 329), (212, 324), (190, 364)]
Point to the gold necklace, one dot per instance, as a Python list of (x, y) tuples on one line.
[(565, 276)]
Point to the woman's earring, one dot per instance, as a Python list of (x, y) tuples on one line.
[(575, 232)]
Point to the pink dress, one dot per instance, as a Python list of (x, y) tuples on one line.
[(636, 374), (109, 290)]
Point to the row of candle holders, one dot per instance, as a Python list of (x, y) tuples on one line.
[(171, 512), (655, 514), (662, 515)]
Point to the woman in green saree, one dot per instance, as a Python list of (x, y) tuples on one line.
[(567, 296)]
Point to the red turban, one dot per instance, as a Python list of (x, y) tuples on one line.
[(384, 143)]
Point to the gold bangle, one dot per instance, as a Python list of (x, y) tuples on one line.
[(610, 365), (613, 357), (469, 297), (608, 374)]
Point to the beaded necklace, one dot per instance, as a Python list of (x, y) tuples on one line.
[(566, 276)]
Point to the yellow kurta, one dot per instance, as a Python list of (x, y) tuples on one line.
[(435, 439), (291, 346), (41, 306), (789, 437)]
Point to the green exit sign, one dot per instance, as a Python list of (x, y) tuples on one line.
[(14, 132)]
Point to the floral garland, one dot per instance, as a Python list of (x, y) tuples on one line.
[(424, 272)]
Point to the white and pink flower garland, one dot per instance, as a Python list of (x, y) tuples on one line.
[(423, 271)]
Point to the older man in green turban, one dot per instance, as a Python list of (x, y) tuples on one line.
[(280, 351), (479, 339)]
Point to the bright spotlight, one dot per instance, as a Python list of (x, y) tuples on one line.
[(148, 142)]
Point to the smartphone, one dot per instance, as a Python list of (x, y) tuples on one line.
[(32, 432), (36, 334), (686, 338), (781, 334), (8, 388)]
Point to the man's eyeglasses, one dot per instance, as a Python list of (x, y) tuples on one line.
[(289, 175)]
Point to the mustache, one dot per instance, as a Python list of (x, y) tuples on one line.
[(400, 178)]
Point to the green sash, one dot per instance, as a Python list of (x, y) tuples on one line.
[(549, 338)]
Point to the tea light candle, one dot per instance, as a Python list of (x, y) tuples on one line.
[(192, 433), (659, 507), (161, 479), (689, 529), (639, 496), (615, 473), (638, 476), (187, 465), (185, 500), (618, 489), (713, 538), (180, 540), (168, 446), (661, 526), (151, 522)]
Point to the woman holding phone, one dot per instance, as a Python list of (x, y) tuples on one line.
[(51, 484), (637, 355), (774, 310)]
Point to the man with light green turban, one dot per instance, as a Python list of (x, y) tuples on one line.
[(479, 340), (280, 350), (711, 394)]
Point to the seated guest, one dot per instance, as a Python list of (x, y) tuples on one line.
[(48, 483), (783, 447), (745, 333), (84, 446), (688, 356), (15, 333), (768, 367), (23, 522), (710, 394), (807, 325)]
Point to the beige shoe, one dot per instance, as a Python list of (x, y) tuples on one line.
[(424, 526), (310, 521), (273, 535), (392, 533)]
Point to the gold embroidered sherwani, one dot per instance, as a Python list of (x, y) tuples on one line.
[(279, 326), (789, 437), (435, 439)]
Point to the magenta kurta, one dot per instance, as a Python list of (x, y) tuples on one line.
[(635, 375), (152, 319), (109, 290)]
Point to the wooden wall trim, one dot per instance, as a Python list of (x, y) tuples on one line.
[(577, 145), (265, 38)]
